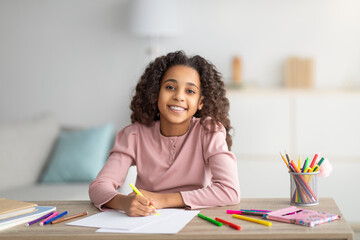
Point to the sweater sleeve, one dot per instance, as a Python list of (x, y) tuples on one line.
[(113, 174), (224, 186)]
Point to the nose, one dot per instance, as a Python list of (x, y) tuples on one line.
[(179, 96)]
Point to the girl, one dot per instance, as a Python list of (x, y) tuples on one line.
[(179, 141)]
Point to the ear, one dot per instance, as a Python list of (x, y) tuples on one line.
[(200, 104)]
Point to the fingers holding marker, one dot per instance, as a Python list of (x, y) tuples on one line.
[(145, 205), (139, 193), (138, 206)]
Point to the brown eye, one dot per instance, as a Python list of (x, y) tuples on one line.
[(170, 87)]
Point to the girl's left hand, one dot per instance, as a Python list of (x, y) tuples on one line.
[(164, 200)]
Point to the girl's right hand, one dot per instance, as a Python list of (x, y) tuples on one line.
[(135, 205)]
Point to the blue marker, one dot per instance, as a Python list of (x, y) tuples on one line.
[(56, 217)]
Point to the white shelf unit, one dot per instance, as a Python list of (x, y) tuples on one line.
[(302, 122)]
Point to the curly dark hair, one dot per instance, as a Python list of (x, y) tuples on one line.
[(215, 104)]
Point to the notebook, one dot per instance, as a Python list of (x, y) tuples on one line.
[(305, 217), (11, 208), (17, 220)]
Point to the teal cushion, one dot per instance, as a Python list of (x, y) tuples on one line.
[(79, 155)]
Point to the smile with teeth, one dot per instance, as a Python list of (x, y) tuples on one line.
[(177, 108)]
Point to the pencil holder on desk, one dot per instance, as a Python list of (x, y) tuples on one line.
[(304, 188)]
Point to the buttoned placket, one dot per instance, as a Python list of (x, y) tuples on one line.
[(172, 150)]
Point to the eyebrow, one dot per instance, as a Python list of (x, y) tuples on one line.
[(175, 81)]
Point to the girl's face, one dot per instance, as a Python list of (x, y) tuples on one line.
[(179, 99)]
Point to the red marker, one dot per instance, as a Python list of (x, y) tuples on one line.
[(314, 161), (237, 227)]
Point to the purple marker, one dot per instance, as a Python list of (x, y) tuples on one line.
[(38, 220)]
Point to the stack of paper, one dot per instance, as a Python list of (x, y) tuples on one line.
[(169, 221)]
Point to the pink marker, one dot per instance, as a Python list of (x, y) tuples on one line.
[(51, 216), (233, 212)]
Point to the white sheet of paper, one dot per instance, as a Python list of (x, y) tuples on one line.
[(171, 225), (118, 220)]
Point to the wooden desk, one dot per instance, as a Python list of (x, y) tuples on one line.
[(197, 228)]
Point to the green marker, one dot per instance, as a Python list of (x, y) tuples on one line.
[(210, 220), (315, 169), (321, 161), (306, 165)]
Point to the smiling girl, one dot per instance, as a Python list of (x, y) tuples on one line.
[(179, 141)]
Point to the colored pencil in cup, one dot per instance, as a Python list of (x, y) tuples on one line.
[(283, 158)]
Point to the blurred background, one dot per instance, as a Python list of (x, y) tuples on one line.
[(292, 69)]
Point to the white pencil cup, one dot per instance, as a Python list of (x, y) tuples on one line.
[(304, 188)]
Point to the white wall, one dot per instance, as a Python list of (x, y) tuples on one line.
[(72, 58), (78, 60)]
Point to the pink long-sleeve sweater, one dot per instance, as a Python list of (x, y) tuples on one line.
[(197, 164)]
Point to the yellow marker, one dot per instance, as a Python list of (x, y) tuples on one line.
[(252, 220), (315, 168), (299, 162), (139, 193)]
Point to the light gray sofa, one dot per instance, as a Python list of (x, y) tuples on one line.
[(26, 149)]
